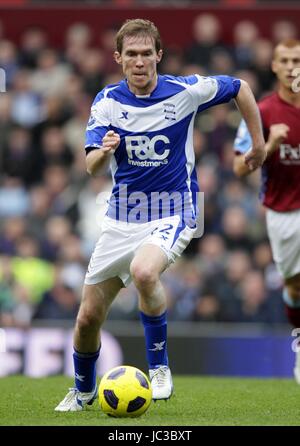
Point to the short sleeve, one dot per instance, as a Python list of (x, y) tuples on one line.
[(98, 124), (216, 90), (243, 141)]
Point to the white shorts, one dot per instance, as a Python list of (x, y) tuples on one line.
[(119, 241), (284, 234)]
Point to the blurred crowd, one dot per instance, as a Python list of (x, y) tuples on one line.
[(51, 209)]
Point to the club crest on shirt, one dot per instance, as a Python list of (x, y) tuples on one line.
[(91, 123), (169, 111)]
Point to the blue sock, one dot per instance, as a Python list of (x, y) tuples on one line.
[(155, 328), (85, 370)]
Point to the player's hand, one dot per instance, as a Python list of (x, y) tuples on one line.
[(278, 132), (255, 157), (110, 142)]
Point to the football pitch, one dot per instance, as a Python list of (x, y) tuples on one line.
[(198, 401)]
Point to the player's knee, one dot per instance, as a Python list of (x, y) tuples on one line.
[(88, 321), (143, 277)]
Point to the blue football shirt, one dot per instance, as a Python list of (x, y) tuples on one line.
[(155, 159)]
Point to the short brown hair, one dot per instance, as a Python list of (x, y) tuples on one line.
[(134, 27), (287, 43)]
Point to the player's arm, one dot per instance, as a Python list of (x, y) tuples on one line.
[(278, 132), (256, 154), (241, 145), (240, 168), (97, 159), (101, 142)]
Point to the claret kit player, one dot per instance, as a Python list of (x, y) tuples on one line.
[(280, 189)]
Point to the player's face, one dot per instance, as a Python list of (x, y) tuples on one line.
[(139, 60), (284, 62)]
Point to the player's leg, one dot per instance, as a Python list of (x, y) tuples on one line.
[(96, 301), (146, 267), (284, 234), (291, 297), (92, 313)]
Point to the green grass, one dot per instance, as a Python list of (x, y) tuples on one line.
[(198, 401)]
